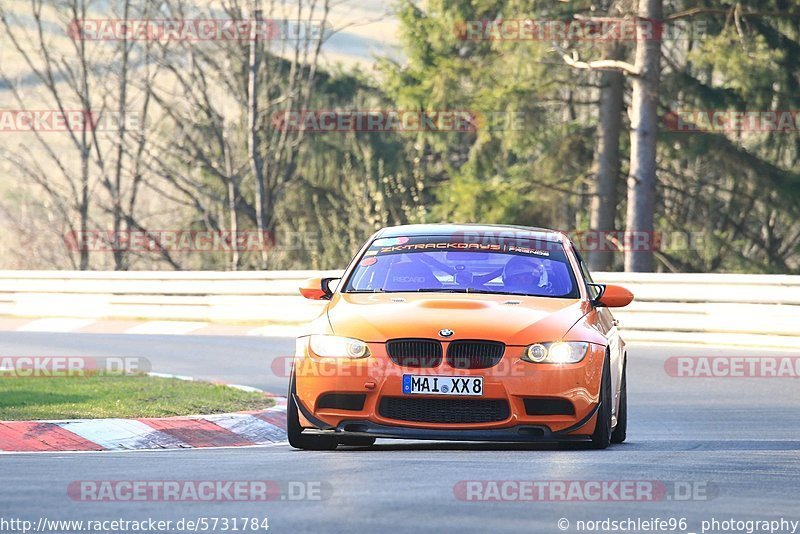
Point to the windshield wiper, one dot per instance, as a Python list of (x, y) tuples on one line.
[(476, 291), (440, 290), (459, 290)]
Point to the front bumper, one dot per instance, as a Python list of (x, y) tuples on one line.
[(512, 380), (519, 433)]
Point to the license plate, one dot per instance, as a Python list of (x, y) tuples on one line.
[(443, 385)]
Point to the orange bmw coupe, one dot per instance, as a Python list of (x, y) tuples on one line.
[(461, 332)]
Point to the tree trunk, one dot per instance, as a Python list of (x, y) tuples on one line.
[(83, 209), (604, 191), (120, 256), (85, 150), (233, 199), (257, 163), (644, 132)]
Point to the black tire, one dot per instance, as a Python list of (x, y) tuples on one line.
[(298, 440), (356, 441), (601, 437), (621, 430)]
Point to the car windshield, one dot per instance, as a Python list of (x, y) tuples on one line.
[(449, 264)]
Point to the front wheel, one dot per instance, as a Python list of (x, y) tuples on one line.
[(621, 430), (298, 440), (601, 437)]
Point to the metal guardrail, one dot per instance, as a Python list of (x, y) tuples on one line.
[(258, 297), (749, 310), (720, 309)]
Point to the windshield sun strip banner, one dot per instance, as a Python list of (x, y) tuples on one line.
[(522, 247)]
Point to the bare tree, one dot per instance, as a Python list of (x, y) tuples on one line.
[(224, 148), (120, 172), (254, 64), (65, 83), (94, 78)]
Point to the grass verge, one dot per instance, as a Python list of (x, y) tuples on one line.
[(118, 396)]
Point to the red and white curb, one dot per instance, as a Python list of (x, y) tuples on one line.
[(239, 429)]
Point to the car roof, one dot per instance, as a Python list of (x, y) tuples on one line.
[(436, 229)]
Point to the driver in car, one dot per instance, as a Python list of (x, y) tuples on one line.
[(525, 275)]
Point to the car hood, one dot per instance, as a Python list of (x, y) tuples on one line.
[(514, 320)]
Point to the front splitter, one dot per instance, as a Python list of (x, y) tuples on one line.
[(515, 434)]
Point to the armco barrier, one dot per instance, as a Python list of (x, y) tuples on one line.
[(256, 297), (725, 309), (748, 310)]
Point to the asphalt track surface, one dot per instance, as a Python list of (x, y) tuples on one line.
[(736, 440)]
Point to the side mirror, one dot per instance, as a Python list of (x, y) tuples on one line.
[(317, 288), (612, 296)]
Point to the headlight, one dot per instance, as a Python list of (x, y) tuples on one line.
[(558, 352), (338, 347)]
